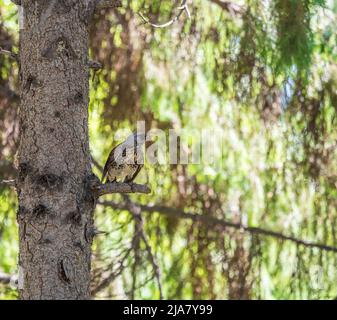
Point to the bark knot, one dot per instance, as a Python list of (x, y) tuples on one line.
[(24, 168), (65, 270), (49, 181), (74, 217), (40, 211), (59, 47)]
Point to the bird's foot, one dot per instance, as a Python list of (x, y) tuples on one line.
[(131, 184)]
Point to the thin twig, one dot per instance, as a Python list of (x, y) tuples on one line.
[(135, 209), (154, 264), (223, 224), (95, 65), (113, 275), (7, 278), (231, 7), (17, 2), (136, 249), (10, 183), (182, 8), (10, 54), (9, 93)]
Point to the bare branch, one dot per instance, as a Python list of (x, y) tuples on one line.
[(103, 4), (223, 224), (136, 249), (7, 278), (231, 7), (182, 8), (136, 211), (95, 65), (10, 54), (122, 187), (6, 91), (7, 169), (10, 183), (154, 264), (114, 274), (17, 2)]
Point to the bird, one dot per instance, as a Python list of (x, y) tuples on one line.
[(125, 160)]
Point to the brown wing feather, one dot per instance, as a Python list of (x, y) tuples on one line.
[(139, 167), (134, 175), (109, 162), (111, 159)]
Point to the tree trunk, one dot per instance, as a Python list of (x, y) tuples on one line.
[(55, 202)]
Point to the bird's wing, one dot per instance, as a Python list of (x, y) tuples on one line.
[(109, 162), (139, 167), (121, 154)]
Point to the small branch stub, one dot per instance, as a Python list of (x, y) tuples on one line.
[(10, 54), (103, 4), (9, 183), (116, 187), (95, 65), (17, 2), (8, 279)]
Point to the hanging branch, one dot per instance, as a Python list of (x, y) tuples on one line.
[(136, 210), (222, 224), (154, 264), (233, 8), (115, 273), (136, 263), (182, 8)]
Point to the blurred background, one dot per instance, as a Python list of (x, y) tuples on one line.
[(262, 72)]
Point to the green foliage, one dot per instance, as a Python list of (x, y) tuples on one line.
[(265, 79)]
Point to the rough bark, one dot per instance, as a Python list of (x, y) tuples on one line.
[(55, 202)]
